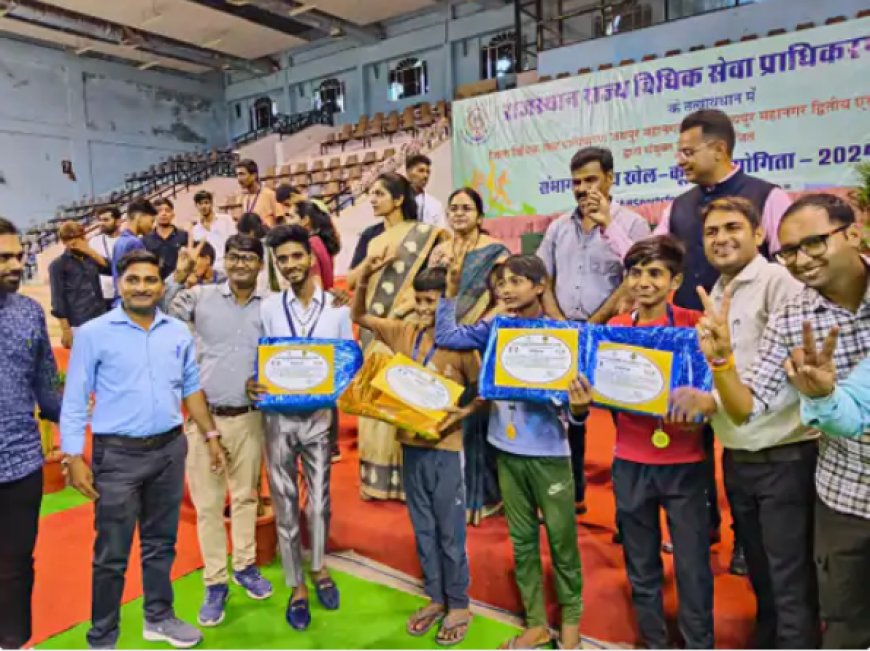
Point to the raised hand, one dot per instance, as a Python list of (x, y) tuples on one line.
[(374, 263), (810, 370), (598, 208), (714, 335)]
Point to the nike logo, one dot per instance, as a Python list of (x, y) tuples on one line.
[(556, 488)]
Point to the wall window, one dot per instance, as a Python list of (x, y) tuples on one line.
[(498, 58), (409, 78), (330, 95)]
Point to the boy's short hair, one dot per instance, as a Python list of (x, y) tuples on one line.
[(162, 201), (417, 159), (207, 251), (137, 256), (657, 248), (431, 280), (70, 230), (202, 195), (839, 211), (527, 266), (733, 204)]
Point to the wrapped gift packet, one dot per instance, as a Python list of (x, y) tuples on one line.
[(635, 369), (530, 360), (305, 374)]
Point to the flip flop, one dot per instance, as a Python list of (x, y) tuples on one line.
[(443, 639), (512, 644), (422, 617)]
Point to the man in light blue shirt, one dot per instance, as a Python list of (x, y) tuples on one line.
[(140, 365), (533, 463), (140, 222), (840, 410)]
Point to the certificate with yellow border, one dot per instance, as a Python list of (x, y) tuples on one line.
[(288, 369), (632, 378), (536, 358), (411, 384)]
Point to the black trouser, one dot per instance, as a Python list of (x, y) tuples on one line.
[(19, 519), (843, 565), (712, 489), (577, 441), (136, 486), (772, 495), (641, 490)]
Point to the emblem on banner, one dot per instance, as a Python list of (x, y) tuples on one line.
[(477, 127)]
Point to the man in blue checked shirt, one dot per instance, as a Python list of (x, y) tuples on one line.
[(140, 365), (27, 376)]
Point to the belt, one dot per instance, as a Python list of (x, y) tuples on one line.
[(153, 442), (778, 454), (228, 412)]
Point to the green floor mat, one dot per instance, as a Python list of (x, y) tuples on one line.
[(372, 616), (68, 498)]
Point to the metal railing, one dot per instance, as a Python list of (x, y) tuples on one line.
[(286, 125)]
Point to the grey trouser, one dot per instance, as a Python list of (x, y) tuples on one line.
[(289, 437)]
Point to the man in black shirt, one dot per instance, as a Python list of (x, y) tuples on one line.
[(165, 240), (76, 293)]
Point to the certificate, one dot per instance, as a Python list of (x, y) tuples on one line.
[(288, 369), (536, 358), (412, 385), (632, 378)]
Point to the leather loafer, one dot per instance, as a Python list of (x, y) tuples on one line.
[(299, 614), (327, 594)]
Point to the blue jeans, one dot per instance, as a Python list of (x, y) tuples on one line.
[(143, 486)]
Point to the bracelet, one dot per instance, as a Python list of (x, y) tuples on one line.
[(722, 365), (214, 434)]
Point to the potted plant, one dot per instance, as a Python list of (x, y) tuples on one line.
[(861, 197), (52, 471)]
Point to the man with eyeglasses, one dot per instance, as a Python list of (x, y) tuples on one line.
[(706, 156), (225, 320), (820, 247)]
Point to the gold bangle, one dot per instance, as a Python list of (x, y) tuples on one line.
[(727, 365)]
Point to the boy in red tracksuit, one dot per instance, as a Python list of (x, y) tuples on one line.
[(659, 465)]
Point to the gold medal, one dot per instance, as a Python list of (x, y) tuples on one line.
[(660, 439), (511, 431)]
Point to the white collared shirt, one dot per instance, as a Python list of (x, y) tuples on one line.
[(105, 245), (222, 228), (332, 322), (430, 210), (757, 292)]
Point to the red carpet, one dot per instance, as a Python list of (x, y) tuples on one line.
[(382, 531)]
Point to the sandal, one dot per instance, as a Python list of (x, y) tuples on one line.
[(426, 617), (512, 644), (444, 637)]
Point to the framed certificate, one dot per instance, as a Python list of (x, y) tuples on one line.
[(632, 378), (298, 368), (536, 358), (413, 386)]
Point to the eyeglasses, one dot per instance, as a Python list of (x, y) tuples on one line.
[(814, 246), (248, 260), (462, 209), (689, 152)]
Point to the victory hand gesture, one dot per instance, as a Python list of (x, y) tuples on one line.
[(812, 371), (714, 336)]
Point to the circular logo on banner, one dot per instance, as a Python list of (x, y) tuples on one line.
[(297, 370), (536, 359), (477, 127), (418, 388), (627, 377)]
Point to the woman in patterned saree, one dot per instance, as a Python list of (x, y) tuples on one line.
[(390, 294), (473, 254)]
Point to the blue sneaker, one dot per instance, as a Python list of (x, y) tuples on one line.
[(179, 634), (211, 613), (253, 582), (298, 614)]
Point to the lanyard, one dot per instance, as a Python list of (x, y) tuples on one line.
[(670, 313), (289, 316), (249, 206), (416, 349)]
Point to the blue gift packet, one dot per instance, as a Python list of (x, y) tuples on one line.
[(347, 360), (689, 367)]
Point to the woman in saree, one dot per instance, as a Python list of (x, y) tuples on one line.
[(390, 294), (472, 255)]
